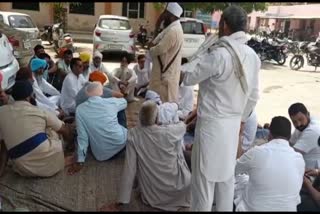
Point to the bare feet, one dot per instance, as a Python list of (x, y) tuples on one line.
[(68, 160), (112, 207), (75, 168)]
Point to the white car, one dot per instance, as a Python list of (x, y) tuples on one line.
[(22, 22), (194, 33), (9, 66), (113, 34)]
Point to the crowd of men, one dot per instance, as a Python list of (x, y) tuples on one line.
[(61, 109)]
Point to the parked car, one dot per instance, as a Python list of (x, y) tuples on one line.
[(21, 43), (9, 66), (194, 32), (113, 34)]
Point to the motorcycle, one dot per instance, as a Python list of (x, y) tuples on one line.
[(61, 39), (311, 50), (142, 36), (46, 34)]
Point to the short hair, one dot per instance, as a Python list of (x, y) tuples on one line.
[(141, 56), (44, 55), (92, 86), (236, 18), (127, 57), (184, 61), (37, 47), (280, 127), (148, 113), (74, 62), (67, 52), (296, 108), (24, 73)]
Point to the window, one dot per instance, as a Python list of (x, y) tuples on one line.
[(26, 5), (114, 24), (192, 28), (82, 8), (133, 10), (20, 21)]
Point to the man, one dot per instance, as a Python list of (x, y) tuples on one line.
[(72, 84), (249, 131), (51, 68), (143, 76), (305, 137), (154, 155), (227, 75), (273, 173), (42, 88), (125, 79), (63, 66), (85, 58), (35, 148), (98, 76), (38, 50), (97, 126), (165, 51), (97, 65)]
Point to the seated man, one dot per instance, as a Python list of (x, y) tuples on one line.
[(97, 65), (98, 76), (72, 84), (249, 131), (42, 88), (97, 126), (143, 76), (35, 148), (273, 173), (51, 68), (154, 155), (125, 80), (85, 58), (305, 137), (37, 50), (63, 69)]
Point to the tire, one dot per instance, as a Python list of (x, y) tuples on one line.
[(296, 62), (281, 58)]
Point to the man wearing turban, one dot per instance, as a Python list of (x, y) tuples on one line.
[(85, 58)]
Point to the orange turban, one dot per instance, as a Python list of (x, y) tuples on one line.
[(98, 76)]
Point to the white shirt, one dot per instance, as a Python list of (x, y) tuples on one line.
[(70, 88), (168, 113), (62, 65), (275, 173), (186, 100), (250, 130), (143, 75), (307, 141)]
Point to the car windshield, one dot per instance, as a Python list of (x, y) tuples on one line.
[(192, 27), (19, 21), (114, 24)]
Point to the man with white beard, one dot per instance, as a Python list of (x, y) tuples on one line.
[(227, 74)]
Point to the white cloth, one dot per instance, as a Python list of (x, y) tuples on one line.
[(63, 66), (70, 88), (250, 130), (275, 173), (143, 75), (186, 101), (174, 8), (307, 142), (103, 69), (148, 62), (154, 96), (168, 113), (125, 74), (98, 54)]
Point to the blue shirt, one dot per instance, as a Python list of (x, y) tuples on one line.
[(97, 124)]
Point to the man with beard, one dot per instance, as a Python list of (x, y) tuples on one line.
[(227, 74), (306, 136), (165, 51), (35, 149), (85, 58)]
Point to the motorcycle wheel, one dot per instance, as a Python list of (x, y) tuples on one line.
[(281, 58), (296, 62)]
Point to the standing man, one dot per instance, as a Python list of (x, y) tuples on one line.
[(227, 75), (166, 55)]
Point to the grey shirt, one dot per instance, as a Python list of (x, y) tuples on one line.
[(82, 96)]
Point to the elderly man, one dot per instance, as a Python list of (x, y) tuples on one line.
[(269, 177), (125, 79), (227, 74), (98, 76), (306, 136), (165, 51), (35, 149), (97, 126), (85, 58), (143, 75), (72, 84), (154, 154), (42, 88)]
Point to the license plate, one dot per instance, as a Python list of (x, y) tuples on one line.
[(115, 46), (191, 40), (27, 44)]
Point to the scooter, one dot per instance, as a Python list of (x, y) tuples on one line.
[(142, 36), (61, 39)]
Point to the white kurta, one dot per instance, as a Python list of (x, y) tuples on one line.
[(307, 141), (274, 178), (250, 130), (63, 66), (221, 104), (70, 88), (186, 101), (125, 74), (143, 75), (167, 45)]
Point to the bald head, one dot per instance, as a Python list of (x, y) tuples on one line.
[(148, 113), (94, 89)]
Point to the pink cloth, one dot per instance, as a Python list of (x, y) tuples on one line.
[(1, 78)]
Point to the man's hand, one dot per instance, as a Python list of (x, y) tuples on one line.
[(306, 182), (75, 168), (113, 207), (61, 114), (312, 172)]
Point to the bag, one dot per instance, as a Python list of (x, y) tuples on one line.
[(169, 64)]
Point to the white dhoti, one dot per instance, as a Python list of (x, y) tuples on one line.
[(55, 99)]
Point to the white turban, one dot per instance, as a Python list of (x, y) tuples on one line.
[(97, 54), (154, 96), (174, 8)]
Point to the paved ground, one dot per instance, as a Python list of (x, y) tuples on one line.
[(279, 85)]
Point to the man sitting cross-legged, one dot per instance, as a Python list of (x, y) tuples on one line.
[(269, 177), (154, 154), (98, 126)]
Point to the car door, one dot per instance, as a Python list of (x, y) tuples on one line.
[(6, 51)]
